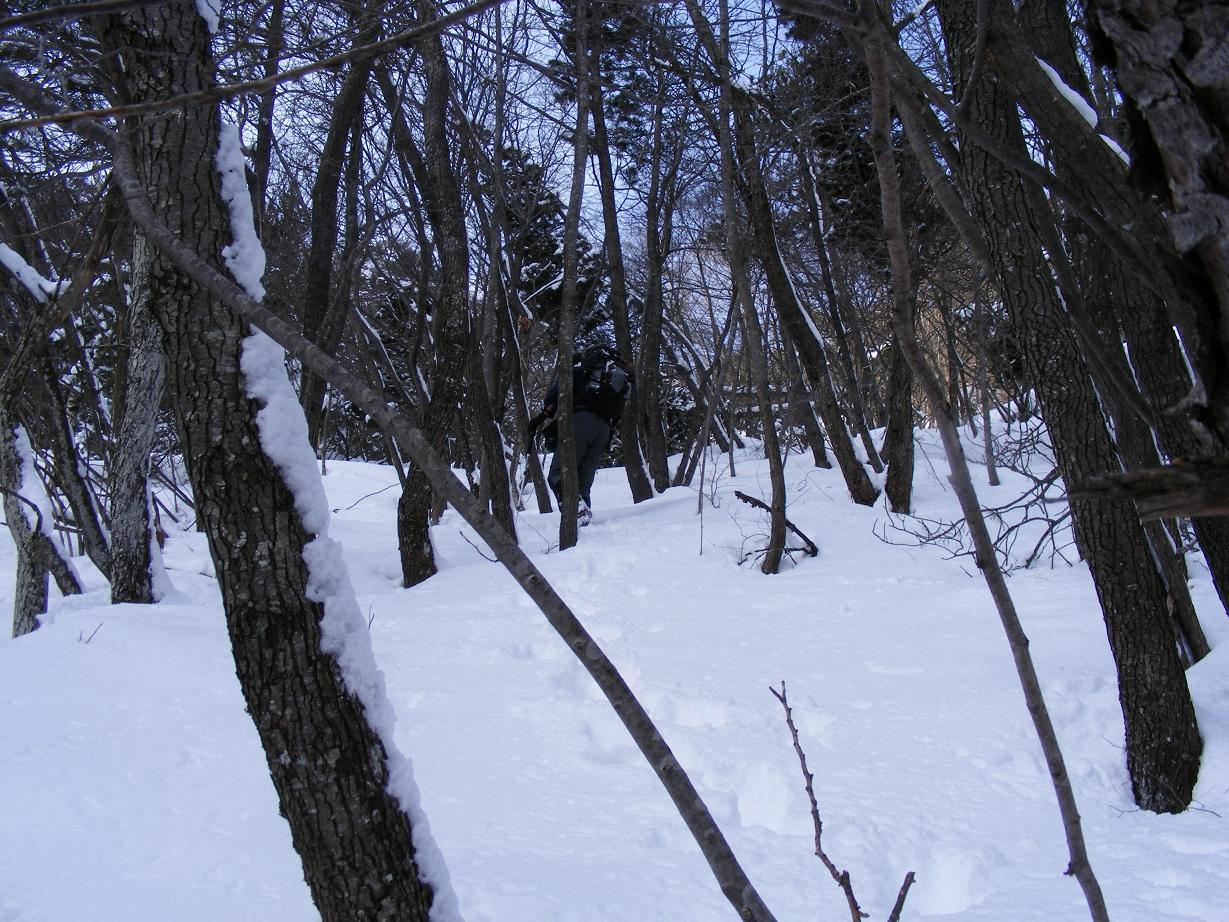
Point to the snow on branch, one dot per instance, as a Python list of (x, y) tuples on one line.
[(1081, 105), (245, 258), (41, 289)]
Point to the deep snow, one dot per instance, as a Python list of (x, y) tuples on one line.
[(132, 784)]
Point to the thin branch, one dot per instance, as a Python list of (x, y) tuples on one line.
[(478, 549), (841, 877), (899, 907), (230, 90), (76, 11), (38, 526), (1196, 487), (979, 54), (35, 335), (811, 548)]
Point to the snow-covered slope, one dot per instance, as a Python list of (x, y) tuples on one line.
[(132, 784)]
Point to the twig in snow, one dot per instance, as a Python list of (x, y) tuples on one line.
[(478, 549), (81, 634), (900, 898), (841, 877), (368, 496)]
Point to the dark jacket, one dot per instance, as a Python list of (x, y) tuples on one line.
[(588, 394)]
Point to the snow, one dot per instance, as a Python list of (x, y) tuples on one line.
[(135, 786), (211, 12), (40, 289), (1082, 106), (283, 438), (1087, 112), (1117, 149), (30, 487), (344, 632), (245, 258), (160, 583)]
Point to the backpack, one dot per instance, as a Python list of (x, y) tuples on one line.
[(601, 385)]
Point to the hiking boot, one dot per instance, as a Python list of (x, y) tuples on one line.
[(584, 515)]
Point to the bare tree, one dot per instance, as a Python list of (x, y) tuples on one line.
[(328, 764), (962, 481)]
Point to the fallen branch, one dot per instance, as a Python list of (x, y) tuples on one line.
[(811, 548)]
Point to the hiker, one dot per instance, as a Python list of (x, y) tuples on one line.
[(600, 385)]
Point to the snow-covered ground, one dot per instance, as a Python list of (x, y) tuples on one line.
[(132, 785)]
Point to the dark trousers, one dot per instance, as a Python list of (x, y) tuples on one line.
[(592, 437)]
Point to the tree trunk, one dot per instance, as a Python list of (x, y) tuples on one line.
[(450, 309), (792, 313), (853, 389), (753, 334), (69, 471), (1156, 357), (1097, 290), (983, 390), (800, 413), (569, 488), (132, 576), (495, 483), (1163, 743), (328, 764), (629, 430), (321, 322), (879, 138), (658, 210), (30, 591), (1169, 63), (263, 158), (898, 439)]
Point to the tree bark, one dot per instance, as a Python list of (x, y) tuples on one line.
[(67, 472), (569, 487), (983, 389), (131, 526), (1157, 360), (320, 309), (450, 314), (898, 439), (328, 764), (753, 334), (800, 413), (880, 141), (629, 430), (263, 158), (1163, 743), (853, 388), (791, 312), (1168, 59), (658, 216), (505, 293), (30, 590)]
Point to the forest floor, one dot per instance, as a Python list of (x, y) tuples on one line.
[(133, 786)]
